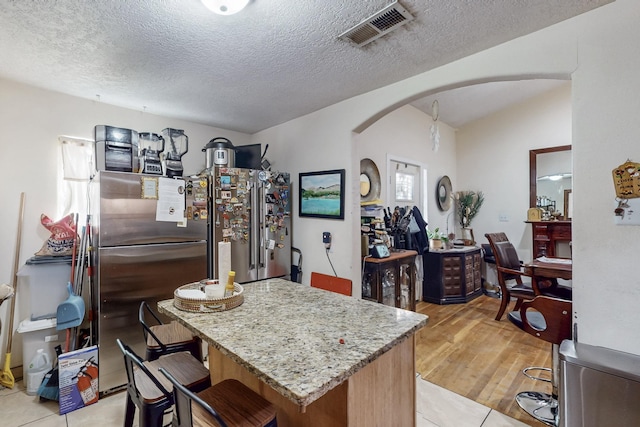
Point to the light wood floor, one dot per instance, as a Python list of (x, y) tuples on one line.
[(465, 350)]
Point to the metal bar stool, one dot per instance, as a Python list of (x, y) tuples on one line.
[(550, 320), (150, 392), (227, 404), (164, 338)]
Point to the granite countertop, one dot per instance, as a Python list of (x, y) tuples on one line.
[(289, 335)]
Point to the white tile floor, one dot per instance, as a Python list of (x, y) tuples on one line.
[(436, 407)]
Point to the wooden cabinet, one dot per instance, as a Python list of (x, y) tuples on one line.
[(452, 276), (546, 234), (391, 280)]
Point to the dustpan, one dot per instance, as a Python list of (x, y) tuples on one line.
[(70, 312)]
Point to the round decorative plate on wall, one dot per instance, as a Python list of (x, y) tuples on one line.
[(443, 193)]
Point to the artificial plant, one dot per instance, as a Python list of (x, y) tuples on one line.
[(468, 203)]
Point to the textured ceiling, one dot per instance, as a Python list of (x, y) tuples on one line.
[(274, 61)]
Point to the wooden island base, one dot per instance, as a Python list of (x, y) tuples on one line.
[(380, 394)]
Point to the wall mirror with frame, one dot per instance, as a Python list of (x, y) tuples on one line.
[(550, 174)]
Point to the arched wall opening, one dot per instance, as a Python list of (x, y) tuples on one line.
[(412, 126)]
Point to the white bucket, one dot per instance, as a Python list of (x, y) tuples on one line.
[(39, 366)]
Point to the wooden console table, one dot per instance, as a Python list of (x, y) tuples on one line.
[(546, 234), (452, 276), (391, 280)]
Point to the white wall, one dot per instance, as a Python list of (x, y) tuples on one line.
[(597, 50), (605, 135), (405, 134), (31, 120), (493, 157)]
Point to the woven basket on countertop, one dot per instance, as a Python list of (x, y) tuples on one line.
[(207, 305)]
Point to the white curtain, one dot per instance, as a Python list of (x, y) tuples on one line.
[(78, 168)]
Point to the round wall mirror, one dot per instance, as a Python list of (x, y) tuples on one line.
[(443, 193), (365, 185), (369, 181)]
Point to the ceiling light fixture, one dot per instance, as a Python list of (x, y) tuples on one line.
[(225, 7)]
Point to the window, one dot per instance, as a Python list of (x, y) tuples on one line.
[(404, 187)]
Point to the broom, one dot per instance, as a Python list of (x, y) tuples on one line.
[(50, 387), (6, 377)]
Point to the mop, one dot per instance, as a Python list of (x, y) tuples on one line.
[(6, 377), (6, 292)]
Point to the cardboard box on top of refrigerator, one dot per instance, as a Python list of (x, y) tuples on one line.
[(78, 379)]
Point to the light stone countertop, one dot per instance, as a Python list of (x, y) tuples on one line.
[(288, 335)]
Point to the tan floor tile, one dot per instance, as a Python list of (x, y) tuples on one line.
[(50, 421), (421, 421), (446, 409), (108, 411), (496, 419), (18, 408)]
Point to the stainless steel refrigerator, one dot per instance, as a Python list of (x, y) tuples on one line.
[(251, 209), (145, 247)]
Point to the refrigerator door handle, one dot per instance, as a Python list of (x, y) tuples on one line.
[(261, 218), (252, 226)]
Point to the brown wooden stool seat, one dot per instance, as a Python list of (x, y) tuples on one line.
[(150, 392), (170, 333), (227, 404), (188, 370), (164, 338)]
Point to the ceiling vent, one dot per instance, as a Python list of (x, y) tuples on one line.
[(377, 25)]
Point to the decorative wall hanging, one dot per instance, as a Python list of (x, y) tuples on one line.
[(443, 193), (322, 194), (370, 184), (626, 180), (435, 131)]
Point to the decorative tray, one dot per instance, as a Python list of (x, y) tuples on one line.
[(204, 304)]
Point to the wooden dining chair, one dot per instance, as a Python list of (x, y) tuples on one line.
[(509, 270), (165, 338), (331, 283), (226, 404), (150, 392)]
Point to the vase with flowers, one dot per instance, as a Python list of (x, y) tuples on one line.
[(468, 204)]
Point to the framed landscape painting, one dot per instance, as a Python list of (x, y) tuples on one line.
[(322, 194)]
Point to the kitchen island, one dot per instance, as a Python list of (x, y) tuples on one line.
[(322, 358)]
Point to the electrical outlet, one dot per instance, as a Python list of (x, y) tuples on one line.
[(503, 217), (326, 239)]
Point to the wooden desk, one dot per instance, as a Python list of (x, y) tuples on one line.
[(284, 343), (558, 268)]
